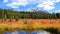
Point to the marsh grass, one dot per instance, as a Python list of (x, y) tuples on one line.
[(28, 25)]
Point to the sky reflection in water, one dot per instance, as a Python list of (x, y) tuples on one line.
[(24, 32)]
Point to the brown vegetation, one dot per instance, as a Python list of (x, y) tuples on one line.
[(34, 23)]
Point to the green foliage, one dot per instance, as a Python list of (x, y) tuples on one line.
[(10, 14)]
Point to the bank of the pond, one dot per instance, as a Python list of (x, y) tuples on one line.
[(29, 24), (12, 27)]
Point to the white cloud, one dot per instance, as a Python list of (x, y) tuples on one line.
[(5, 1), (46, 7), (45, 4), (17, 3), (48, 4), (57, 0)]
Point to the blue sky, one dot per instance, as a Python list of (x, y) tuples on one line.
[(48, 5)]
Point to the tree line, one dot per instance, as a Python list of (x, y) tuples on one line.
[(11, 14)]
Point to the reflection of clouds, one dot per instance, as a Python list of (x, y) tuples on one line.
[(15, 32), (42, 32), (34, 32), (22, 32)]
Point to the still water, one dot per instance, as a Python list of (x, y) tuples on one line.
[(24, 32)]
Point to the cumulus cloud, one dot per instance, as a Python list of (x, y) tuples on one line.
[(44, 4), (16, 3), (47, 4), (46, 7)]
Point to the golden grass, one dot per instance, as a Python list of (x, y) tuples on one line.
[(32, 23)]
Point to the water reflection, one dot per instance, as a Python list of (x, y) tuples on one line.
[(42, 32), (15, 32), (24, 32)]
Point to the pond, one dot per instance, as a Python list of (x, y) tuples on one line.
[(24, 32)]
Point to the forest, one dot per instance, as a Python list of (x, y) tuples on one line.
[(11, 14)]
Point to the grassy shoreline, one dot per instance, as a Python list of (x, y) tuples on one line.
[(29, 24)]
